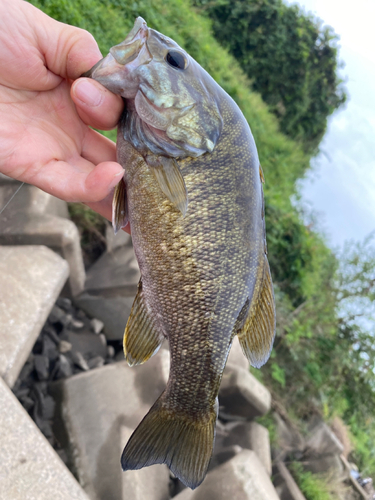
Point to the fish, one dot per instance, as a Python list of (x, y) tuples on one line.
[(192, 193)]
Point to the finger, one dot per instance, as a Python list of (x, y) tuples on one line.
[(97, 149), (96, 105), (78, 182)]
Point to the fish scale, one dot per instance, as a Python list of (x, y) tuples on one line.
[(192, 192)]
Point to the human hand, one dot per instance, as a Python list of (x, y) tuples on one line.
[(45, 139)]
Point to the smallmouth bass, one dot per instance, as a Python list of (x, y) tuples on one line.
[(192, 191)]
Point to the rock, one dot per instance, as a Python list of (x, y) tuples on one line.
[(31, 279), (97, 325), (96, 405), (64, 367), (41, 364), (288, 438), (323, 442), (242, 395), (143, 484), (224, 455), (285, 485), (252, 436), (236, 356), (80, 361), (61, 235), (331, 463), (114, 312), (57, 315), (30, 468), (241, 478), (115, 273), (116, 240), (88, 344), (64, 346)]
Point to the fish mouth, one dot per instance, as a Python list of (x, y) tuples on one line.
[(116, 70)]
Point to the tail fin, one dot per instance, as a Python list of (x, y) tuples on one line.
[(183, 443)]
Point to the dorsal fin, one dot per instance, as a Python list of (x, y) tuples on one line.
[(119, 207), (257, 332), (141, 338)]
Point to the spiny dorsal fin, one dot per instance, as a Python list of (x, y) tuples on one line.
[(258, 331), (119, 207), (141, 338), (170, 180)]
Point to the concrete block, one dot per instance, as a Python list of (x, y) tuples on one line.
[(285, 485), (114, 273), (322, 465), (30, 468), (95, 406), (236, 356), (252, 436), (113, 311), (323, 442), (288, 438), (61, 235), (147, 483), (241, 478), (30, 199), (242, 395), (31, 280), (116, 240)]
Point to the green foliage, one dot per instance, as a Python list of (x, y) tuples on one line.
[(313, 487), (290, 57)]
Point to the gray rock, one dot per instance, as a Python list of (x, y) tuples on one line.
[(288, 438), (113, 311), (224, 455), (242, 395), (143, 484), (95, 406), (252, 436), (116, 240), (115, 273), (236, 356), (30, 468), (30, 199), (97, 325), (31, 279), (331, 463), (61, 235), (285, 485), (323, 442), (241, 478)]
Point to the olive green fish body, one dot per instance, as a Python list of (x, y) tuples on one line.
[(195, 204)]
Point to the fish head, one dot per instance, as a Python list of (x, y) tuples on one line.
[(170, 92)]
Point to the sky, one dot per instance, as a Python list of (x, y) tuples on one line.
[(340, 188)]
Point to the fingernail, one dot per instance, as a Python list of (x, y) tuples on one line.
[(116, 179), (88, 92)]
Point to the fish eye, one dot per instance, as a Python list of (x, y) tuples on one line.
[(176, 59)]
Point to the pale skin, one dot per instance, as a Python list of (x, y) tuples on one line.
[(46, 110)]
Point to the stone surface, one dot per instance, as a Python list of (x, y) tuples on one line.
[(285, 485), (95, 406), (252, 436), (57, 233), (144, 484), (31, 279), (241, 478), (116, 240), (288, 439), (30, 469), (242, 395), (331, 463), (323, 442), (115, 273), (113, 312), (224, 455), (30, 199), (236, 356)]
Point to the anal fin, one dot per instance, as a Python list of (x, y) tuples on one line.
[(256, 333), (141, 337)]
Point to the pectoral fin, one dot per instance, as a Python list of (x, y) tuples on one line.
[(141, 338), (257, 332), (170, 180), (119, 207)]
